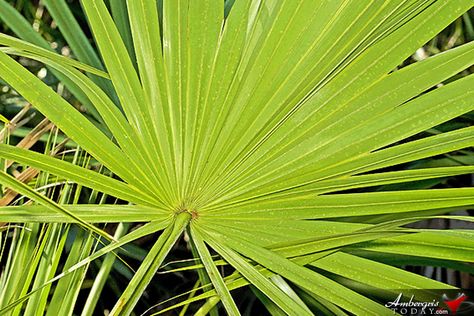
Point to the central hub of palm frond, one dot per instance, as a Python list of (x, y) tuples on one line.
[(194, 214), (284, 135)]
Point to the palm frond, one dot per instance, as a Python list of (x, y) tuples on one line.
[(242, 125)]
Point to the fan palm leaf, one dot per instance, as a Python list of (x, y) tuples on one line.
[(242, 123)]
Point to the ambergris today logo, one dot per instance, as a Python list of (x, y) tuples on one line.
[(439, 302), (412, 306)]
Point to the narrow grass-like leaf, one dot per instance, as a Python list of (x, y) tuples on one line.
[(306, 278), (101, 278), (398, 87), (145, 30), (150, 228), (75, 173), (120, 16), (125, 80), (353, 204), (374, 64), (426, 244), (116, 122), (66, 118), (66, 291), (404, 121), (77, 39), (21, 188), (201, 38), (174, 26), (214, 274), (375, 274), (88, 212), (20, 45), (24, 30), (353, 182), (261, 282), (150, 265)]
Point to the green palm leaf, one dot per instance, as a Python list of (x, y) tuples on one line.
[(242, 123)]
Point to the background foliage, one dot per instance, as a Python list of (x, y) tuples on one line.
[(68, 244)]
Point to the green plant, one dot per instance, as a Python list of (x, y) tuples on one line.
[(241, 124)]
